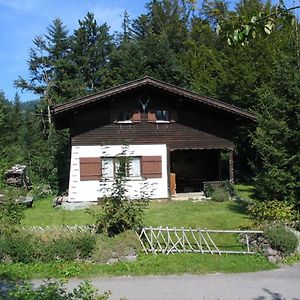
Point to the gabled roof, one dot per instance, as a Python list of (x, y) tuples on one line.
[(150, 82)]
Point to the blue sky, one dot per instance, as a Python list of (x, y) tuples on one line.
[(22, 20)]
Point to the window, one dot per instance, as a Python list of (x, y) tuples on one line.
[(108, 167), (129, 166), (124, 116), (162, 115)]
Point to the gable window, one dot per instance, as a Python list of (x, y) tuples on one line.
[(162, 115), (124, 116)]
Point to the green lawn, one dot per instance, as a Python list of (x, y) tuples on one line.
[(43, 214), (145, 265), (210, 215)]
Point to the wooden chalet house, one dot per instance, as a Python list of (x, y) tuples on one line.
[(174, 138)]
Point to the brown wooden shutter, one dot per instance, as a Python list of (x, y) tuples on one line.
[(90, 168), (136, 117), (151, 167), (151, 116)]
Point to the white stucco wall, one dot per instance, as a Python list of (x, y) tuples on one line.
[(86, 191)]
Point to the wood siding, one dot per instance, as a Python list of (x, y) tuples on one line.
[(176, 136), (192, 126)]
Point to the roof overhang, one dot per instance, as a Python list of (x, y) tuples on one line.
[(86, 101)]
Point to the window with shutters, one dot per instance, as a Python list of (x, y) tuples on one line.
[(151, 167), (90, 168), (130, 166)]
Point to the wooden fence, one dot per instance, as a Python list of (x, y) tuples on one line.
[(69, 228), (187, 240)]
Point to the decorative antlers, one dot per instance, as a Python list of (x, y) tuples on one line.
[(144, 105)]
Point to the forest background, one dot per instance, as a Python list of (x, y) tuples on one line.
[(256, 67)]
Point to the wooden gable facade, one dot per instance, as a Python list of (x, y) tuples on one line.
[(194, 130)]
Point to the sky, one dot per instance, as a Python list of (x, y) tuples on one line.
[(22, 20)]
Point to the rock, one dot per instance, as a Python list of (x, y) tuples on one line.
[(112, 261), (253, 243), (272, 259), (261, 239), (130, 258), (114, 255), (270, 252), (264, 246)]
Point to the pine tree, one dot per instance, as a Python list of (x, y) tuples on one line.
[(91, 47)]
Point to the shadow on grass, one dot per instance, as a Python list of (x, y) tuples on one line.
[(239, 206)]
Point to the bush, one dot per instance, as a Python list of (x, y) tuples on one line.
[(27, 248), (57, 291), (19, 247), (116, 247), (219, 195), (85, 244), (281, 239), (11, 213), (271, 211), (118, 213), (226, 186)]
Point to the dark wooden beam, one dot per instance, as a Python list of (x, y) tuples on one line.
[(231, 167)]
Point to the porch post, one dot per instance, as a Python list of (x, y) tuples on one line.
[(231, 167), (219, 165), (169, 171)]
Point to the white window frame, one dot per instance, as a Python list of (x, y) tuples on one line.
[(130, 175)]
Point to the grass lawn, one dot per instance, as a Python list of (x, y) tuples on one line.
[(210, 215), (145, 265)]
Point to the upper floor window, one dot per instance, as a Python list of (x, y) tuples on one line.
[(162, 115), (124, 116)]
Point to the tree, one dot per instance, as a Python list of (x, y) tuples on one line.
[(91, 47), (118, 213), (52, 73), (277, 137)]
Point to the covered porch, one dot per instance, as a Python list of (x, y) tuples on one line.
[(190, 168)]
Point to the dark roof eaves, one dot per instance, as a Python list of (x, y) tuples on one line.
[(157, 83)]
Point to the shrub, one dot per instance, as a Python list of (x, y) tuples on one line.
[(34, 247), (219, 195), (118, 246), (281, 239), (57, 291), (118, 213), (11, 213), (19, 247), (226, 186), (85, 244), (271, 211)]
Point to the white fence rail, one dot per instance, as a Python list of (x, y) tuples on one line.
[(69, 228), (188, 240)]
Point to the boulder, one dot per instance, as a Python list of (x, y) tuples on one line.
[(270, 252)]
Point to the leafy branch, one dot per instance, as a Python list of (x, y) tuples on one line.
[(241, 30)]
